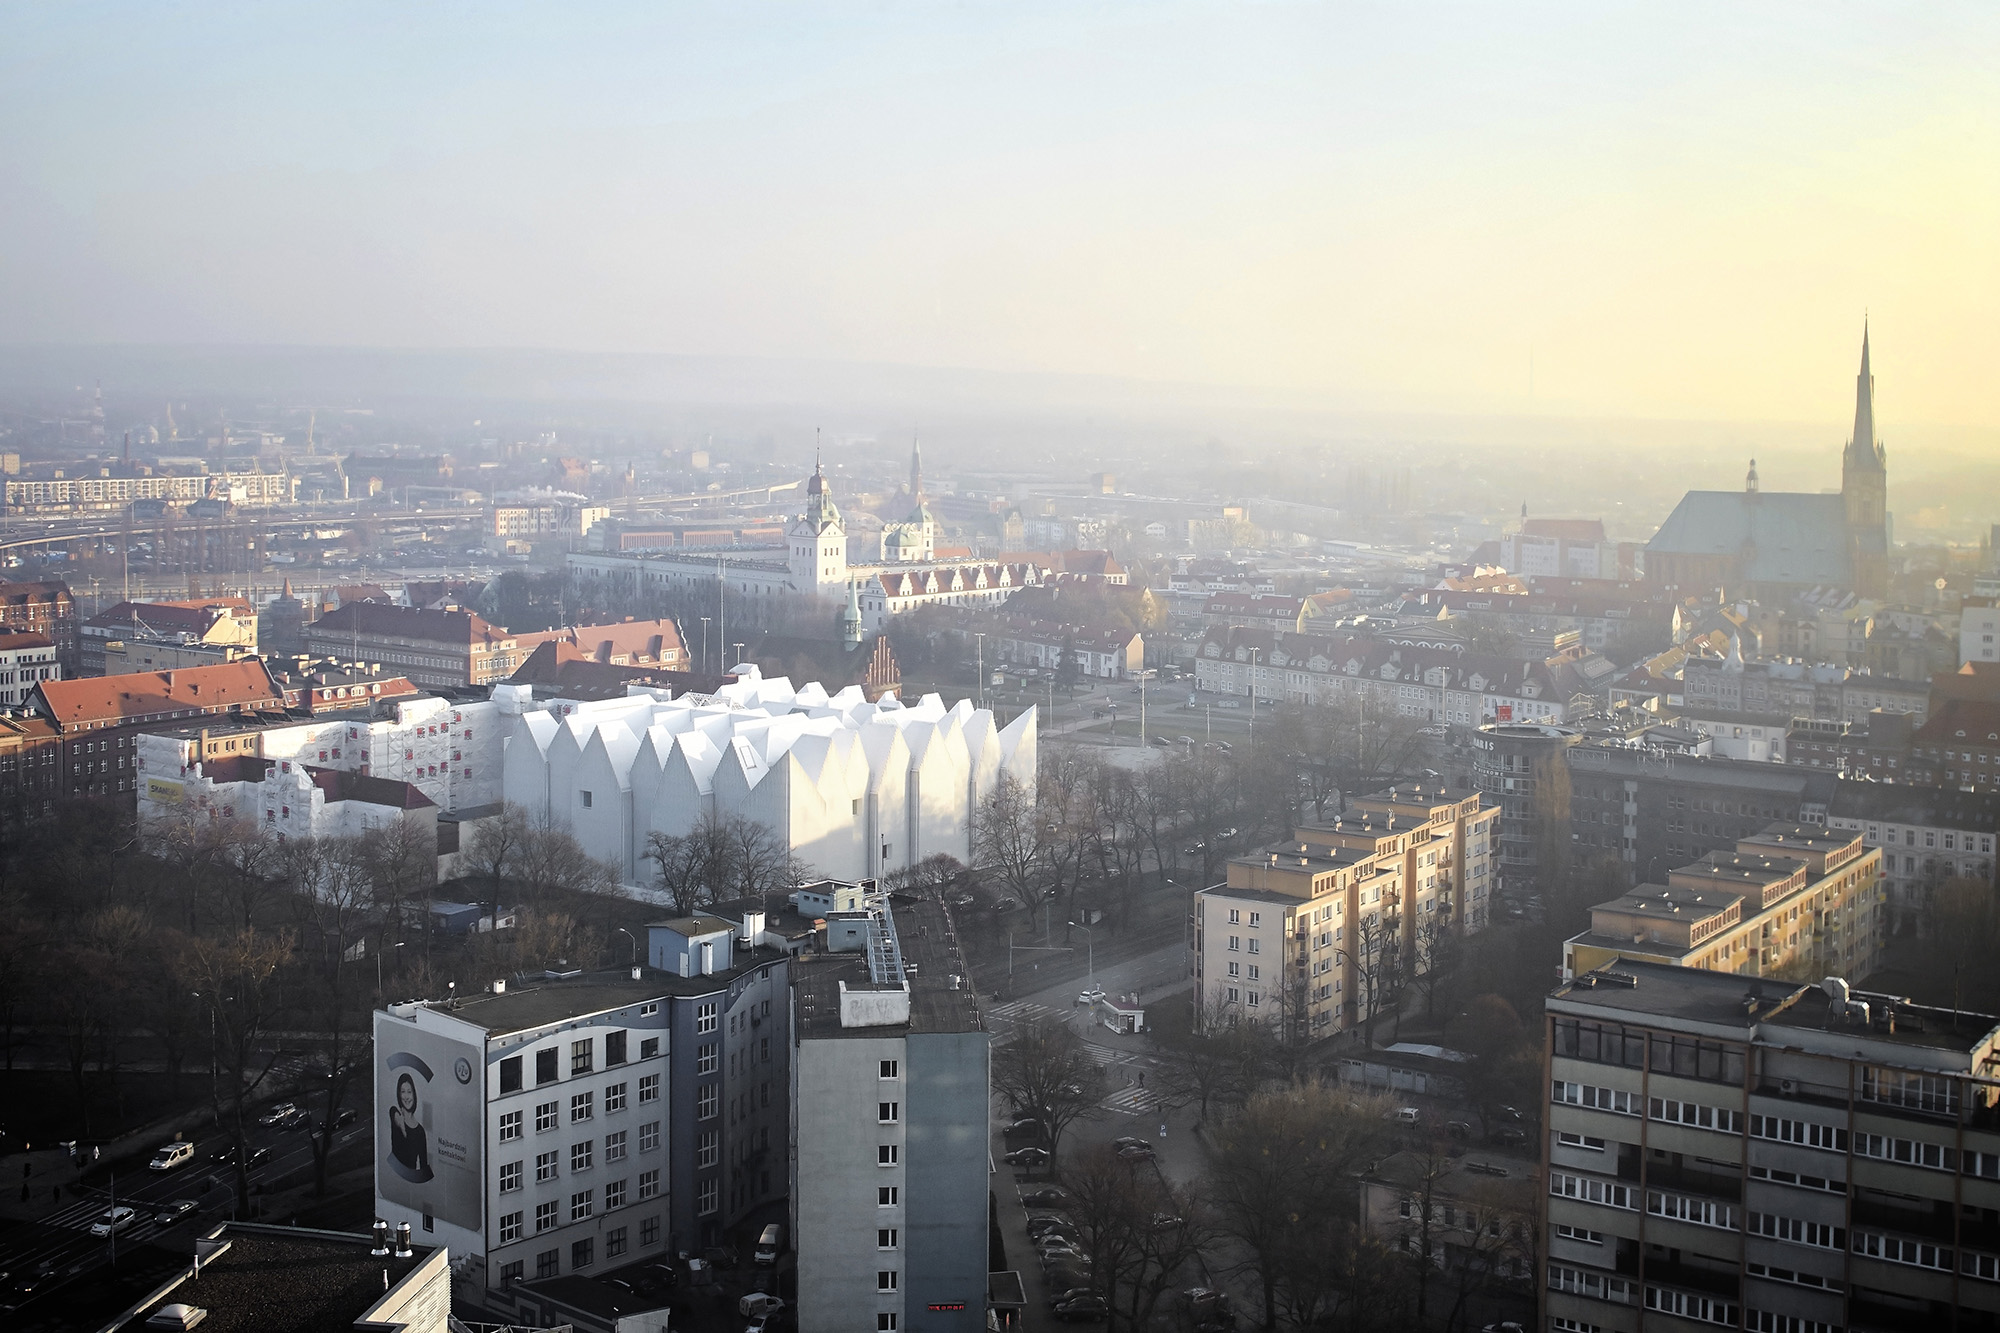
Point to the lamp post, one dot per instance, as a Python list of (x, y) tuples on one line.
[(1089, 953), (979, 665), (378, 968), (704, 643), (635, 942)]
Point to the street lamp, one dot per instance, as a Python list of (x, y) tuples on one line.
[(979, 665), (635, 942), (704, 643), (1089, 952)]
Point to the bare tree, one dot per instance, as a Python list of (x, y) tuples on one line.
[(1437, 950), (1006, 838), (493, 850), (1049, 1073), (235, 975)]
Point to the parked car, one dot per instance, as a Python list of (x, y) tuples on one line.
[(1135, 1152), (720, 1256), (1407, 1115), (1005, 905), (172, 1156), (1227, 833), (1165, 1221), (1046, 1197), (1129, 1141), (758, 1303), (1026, 1157), (1026, 1124), (769, 1246), (1091, 996), (113, 1220), (276, 1114), (171, 1213), (1511, 1135), (1082, 1310), (1040, 1222), (1508, 1113), (1057, 1297), (1458, 1129)]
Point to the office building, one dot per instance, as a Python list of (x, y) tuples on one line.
[(441, 648), (26, 660), (890, 1187), (1927, 835), (1787, 901), (598, 1118), (1742, 1152), (214, 629)]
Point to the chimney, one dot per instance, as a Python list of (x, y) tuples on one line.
[(708, 958), (635, 973), (753, 929), (381, 1249), (403, 1250)]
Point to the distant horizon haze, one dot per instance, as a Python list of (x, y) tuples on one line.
[(1560, 211)]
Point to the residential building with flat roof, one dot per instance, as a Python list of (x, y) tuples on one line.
[(1743, 1152), (1927, 835)]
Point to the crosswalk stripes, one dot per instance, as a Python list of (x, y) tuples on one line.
[(1131, 1101), (1019, 1011)]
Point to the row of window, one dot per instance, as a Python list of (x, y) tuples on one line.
[(582, 1253), (582, 1059), (581, 1157)]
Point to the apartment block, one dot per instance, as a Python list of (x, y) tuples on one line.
[(1300, 935), (1927, 835), (1788, 901), (1741, 1152), (891, 1171)]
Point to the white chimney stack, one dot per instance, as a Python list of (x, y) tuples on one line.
[(753, 928)]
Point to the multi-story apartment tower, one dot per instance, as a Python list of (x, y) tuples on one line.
[(1793, 900), (890, 1172), (1738, 1152), (1303, 935)]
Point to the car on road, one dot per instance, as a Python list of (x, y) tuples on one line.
[(172, 1156), (758, 1303), (113, 1220), (1135, 1152), (1226, 834), (1046, 1197), (1194, 849), (767, 1322), (296, 1120), (1128, 1142), (171, 1213), (1005, 905), (1091, 996), (1026, 1157), (341, 1119), (257, 1158), (964, 900), (276, 1115), (1082, 1310)]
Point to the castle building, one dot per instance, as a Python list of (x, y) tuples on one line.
[(1773, 544)]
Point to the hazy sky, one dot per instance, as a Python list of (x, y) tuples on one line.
[(1676, 210)]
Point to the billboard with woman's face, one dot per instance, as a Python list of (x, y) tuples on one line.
[(428, 1107)]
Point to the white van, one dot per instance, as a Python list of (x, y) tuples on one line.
[(172, 1155), (769, 1246)]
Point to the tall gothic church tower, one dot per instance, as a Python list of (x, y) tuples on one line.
[(818, 539), (1864, 485)]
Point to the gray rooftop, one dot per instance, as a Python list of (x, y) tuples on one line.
[(929, 937), (1788, 538)]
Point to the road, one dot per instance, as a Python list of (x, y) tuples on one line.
[(54, 1247)]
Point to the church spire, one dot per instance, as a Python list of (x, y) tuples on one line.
[(1864, 449), (916, 471)]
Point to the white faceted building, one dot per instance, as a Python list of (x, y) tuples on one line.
[(855, 789)]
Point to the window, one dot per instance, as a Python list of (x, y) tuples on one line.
[(704, 1017), (614, 1048), (1691, 1113), (708, 1197), (586, 798), (1805, 1133), (885, 1322), (1798, 1231), (1700, 1212), (887, 1196), (614, 1242), (580, 1255), (649, 1088), (649, 1184), (580, 1105), (580, 1054), (547, 1215), (890, 1068), (510, 1126), (885, 1280), (547, 1116), (707, 1101), (1591, 1189), (579, 1155), (510, 1074), (545, 1066), (1598, 1099), (649, 1231), (510, 1177), (885, 1154), (579, 1205), (614, 1195), (885, 1238), (1583, 1141), (888, 1113), (705, 1058), (614, 1098), (1235, 916), (708, 1148), (649, 1136), (510, 1228), (510, 1273), (547, 1262), (1581, 1235), (1898, 1250), (1766, 1321), (614, 1147), (1899, 1087), (649, 1047), (1914, 1152), (546, 1166), (1687, 1305)]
